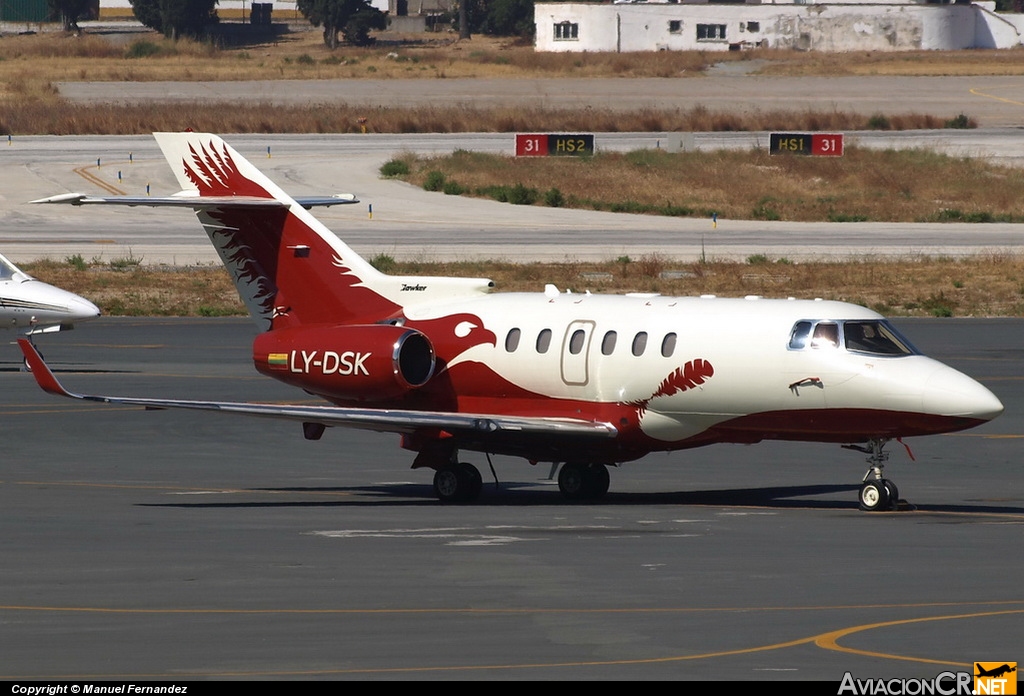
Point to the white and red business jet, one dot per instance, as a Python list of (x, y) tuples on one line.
[(589, 381)]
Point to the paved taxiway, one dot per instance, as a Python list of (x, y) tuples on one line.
[(408, 222), (179, 545), (994, 100)]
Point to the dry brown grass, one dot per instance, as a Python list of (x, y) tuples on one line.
[(891, 185), (132, 289), (984, 285), (43, 113), (30, 65)]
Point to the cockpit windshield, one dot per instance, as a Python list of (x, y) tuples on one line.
[(873, 336), (8, 270)]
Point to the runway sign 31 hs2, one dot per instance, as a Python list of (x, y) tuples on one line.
[(554, 144)]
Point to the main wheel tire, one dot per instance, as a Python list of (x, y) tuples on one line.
[(893, 492), (474, 481), (874, 496), (449, 484), (572, 481), (457, 483), (598, 481)]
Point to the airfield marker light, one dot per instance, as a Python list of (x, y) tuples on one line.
[(97, 162), (370, 207), (714, 221), (131, 160), (268, 152), (8, 139), (147, 188), (362, 123), (119, 176)]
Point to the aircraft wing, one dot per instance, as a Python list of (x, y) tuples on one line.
[(189, 200), (380, 420)]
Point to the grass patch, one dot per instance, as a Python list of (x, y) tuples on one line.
[(864, 185), (986, 284)]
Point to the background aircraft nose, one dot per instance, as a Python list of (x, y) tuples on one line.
[(81, 308), (951, 393)]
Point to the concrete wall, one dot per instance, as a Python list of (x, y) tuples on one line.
[(814, 27)]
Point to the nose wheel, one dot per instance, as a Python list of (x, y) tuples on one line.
[(877, 493)]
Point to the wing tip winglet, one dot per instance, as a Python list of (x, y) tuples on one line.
[(40, 370)]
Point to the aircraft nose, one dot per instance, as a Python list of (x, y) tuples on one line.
[(951, 393), (81, 308)]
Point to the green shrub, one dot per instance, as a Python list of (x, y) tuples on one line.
[(453, 188), (553, 198), (383, 262), (142, 49), (394, 168), (434, 181)]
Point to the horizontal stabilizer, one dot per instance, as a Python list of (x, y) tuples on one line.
[(195, 202)]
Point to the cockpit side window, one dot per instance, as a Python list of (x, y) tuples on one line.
[(801, 332), (826, 335)]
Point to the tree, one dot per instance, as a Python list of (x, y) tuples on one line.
[(495, 18), (509, 18), (174, 18), (352, 18), (69, 12)]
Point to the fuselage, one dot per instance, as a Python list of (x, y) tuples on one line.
[(671, 373)]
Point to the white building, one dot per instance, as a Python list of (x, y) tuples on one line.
[(898, 25)]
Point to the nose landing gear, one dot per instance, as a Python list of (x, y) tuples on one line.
[(877, 493)]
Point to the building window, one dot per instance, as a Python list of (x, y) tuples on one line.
[(567, 31), (753, 27), (710, 32), (675, 26)]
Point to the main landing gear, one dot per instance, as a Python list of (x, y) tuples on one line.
[(876, 493), (457, 483), (579, 481), (460, 482)]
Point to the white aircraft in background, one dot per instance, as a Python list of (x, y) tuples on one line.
[(34, 307), (588, 381)]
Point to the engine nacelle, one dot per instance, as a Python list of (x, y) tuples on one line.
[(366, 363)]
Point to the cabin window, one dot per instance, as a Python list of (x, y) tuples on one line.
[(567, 31), (544, 341), (576, 341), (608, 343), (512, 340), (668, 345), (640, 343)]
